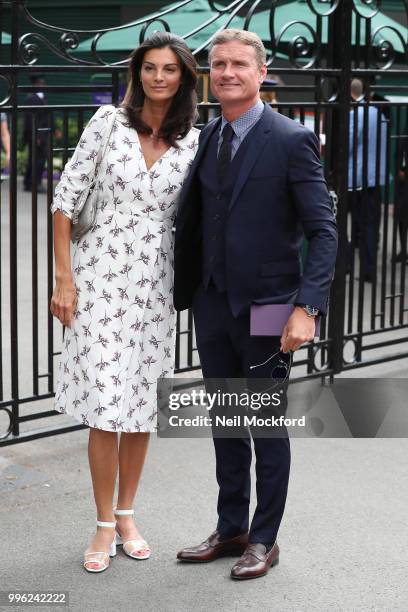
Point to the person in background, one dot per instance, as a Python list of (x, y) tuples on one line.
[(268, 91), (363, 182), (36, 98), (5, 140), (401, 198)]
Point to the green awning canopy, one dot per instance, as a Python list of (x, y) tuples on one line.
[(195, 14), (300, 11), (5, 38), (182, 21)]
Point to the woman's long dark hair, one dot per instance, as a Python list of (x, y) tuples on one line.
[(182, 112)]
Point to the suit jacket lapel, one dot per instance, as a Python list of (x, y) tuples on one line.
[(257, 141)]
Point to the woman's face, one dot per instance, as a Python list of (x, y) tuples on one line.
[(160, 74)]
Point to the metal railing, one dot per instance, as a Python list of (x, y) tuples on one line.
[(367, 321)]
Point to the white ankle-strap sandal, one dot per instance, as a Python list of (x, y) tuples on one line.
[(132, 547), (100, 557)]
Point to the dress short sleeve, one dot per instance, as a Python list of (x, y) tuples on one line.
[(81, 169)]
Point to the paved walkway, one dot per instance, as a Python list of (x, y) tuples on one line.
[(343, 538)]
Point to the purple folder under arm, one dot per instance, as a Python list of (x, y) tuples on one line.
[(270, 319)]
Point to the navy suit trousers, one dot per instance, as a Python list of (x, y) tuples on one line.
[(227, 350)]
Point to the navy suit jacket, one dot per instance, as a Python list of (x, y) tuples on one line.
[(280, 195)]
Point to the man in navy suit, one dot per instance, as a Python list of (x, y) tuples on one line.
[(255, 189)]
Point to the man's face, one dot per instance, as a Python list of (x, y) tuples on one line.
[(235, 74)]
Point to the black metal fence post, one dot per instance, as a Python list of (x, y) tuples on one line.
[(342, 58), (15, 9)]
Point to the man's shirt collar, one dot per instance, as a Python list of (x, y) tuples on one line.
[(245, 121)]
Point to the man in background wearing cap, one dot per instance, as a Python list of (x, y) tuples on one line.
[(268, 91)]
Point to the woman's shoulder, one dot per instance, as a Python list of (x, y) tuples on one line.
[(105, 111), (122, 117), (102, 115), (191, 136), (121, 111), (194, 132)]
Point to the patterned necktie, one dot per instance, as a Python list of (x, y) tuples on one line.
[(224, 155)]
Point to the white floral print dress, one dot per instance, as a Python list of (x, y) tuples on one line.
[(122, 337)]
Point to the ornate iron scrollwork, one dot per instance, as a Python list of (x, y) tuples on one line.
[(298, 39), (333, 6), (302, 47), (373, 4), (8, 431), (381, 52), (8, 88), (69, 40)]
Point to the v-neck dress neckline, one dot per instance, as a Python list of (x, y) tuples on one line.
[(157, 160)]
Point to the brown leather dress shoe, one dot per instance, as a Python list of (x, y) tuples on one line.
[(213, 548), (255, 562)]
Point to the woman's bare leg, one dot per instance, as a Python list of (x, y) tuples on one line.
[(132, 452), (103, 463)]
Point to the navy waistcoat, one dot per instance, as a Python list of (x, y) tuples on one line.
[(216, 198)]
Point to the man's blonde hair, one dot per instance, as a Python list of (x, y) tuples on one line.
[(247, 38)]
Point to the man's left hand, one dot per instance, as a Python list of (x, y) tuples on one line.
[(299, 329)]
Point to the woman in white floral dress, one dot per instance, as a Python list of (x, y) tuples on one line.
[(116, 297)]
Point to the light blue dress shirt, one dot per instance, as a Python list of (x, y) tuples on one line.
[(241, 126), (357, 156)]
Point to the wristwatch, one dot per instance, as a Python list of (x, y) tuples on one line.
[(311, 311)]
